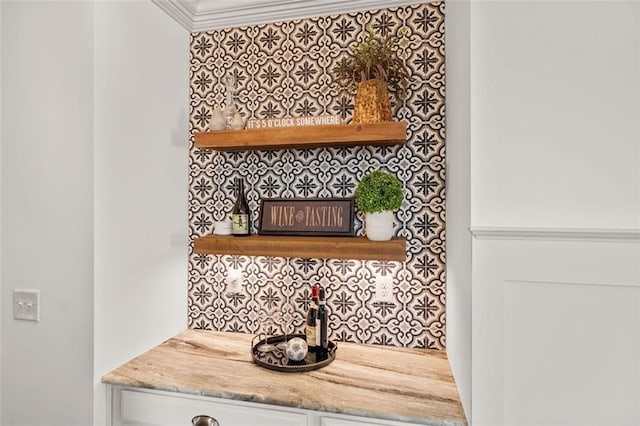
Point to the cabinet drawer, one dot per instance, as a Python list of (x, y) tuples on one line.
[(358, 421), (327, 421), (146, 408)]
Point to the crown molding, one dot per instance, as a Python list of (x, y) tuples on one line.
[(555, 234), (204, 15), (182, 11)]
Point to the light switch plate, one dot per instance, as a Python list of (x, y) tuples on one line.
[(26, 305)]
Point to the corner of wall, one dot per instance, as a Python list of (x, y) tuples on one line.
[(457, 34), (0, 211), (140, 135)]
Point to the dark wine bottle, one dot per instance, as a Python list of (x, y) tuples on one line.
[(323, 331), (311, 328), (240, 215)]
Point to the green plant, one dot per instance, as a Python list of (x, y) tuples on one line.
[(374, 58), (379, 191)]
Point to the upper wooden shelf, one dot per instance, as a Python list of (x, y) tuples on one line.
[(304, 247), (387, 133)]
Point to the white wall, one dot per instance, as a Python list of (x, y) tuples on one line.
[(555, 207), (94, 187), (0, 210), (47, 212), (554, 107), (141, 172), (458, 198)]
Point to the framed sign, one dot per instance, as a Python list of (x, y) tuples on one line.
[(307, 216)]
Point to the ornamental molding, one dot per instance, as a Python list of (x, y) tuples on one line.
[(558, 234), (205, 15)]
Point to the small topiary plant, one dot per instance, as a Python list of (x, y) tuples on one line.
[(379, 191)]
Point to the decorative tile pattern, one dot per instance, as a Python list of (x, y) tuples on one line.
[(284, 70)]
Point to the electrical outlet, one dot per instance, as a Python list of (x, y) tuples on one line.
[(26, 305), (384, 288), (234, 281)]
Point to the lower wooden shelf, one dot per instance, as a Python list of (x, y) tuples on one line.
[(305, 247)]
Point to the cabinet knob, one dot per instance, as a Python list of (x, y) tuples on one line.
[(204, 421)]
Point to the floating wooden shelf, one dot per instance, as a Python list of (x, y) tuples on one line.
[(387, 133), (305, 247)]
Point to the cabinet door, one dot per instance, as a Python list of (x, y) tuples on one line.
[(150, 408)]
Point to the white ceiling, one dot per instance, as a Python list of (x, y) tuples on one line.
[(203, 15)]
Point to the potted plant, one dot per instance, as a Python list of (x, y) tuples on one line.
[(378, 195), (371, 68)]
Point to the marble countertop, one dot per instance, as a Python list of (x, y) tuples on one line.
[(412, 385)]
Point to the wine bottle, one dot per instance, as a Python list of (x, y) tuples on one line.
[(240, 214), (311, 329), (323, 332)]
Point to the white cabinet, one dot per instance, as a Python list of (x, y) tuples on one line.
[(144, 407)]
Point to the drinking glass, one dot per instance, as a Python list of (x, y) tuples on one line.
[(267, 325), (286, 320)]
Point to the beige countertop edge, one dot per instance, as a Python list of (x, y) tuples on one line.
[(169, 367), (119, 381)]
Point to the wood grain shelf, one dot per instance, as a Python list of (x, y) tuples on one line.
[(304, 247), (387, 133)]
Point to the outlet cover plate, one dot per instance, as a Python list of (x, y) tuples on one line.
[(234, 281), (384, 289), (26, 305)]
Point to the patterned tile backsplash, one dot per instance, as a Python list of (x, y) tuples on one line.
[(283, 70)]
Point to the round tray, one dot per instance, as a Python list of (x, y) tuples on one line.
[(277, 359)]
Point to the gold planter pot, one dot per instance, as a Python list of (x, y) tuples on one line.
[(372, 103)]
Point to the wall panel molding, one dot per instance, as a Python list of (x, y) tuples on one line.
[(555, 333), (555, 330), (550, 234)]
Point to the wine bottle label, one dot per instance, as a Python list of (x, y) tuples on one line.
[(312, 338), (240, 224)]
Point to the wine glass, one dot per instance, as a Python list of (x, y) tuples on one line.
[(286, 319), (278, 318), (267, 325), (288, 315)]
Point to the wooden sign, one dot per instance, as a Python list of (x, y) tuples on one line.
[(307, 216), (321, 120)]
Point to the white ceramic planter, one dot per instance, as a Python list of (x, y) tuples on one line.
[(379, 226)]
